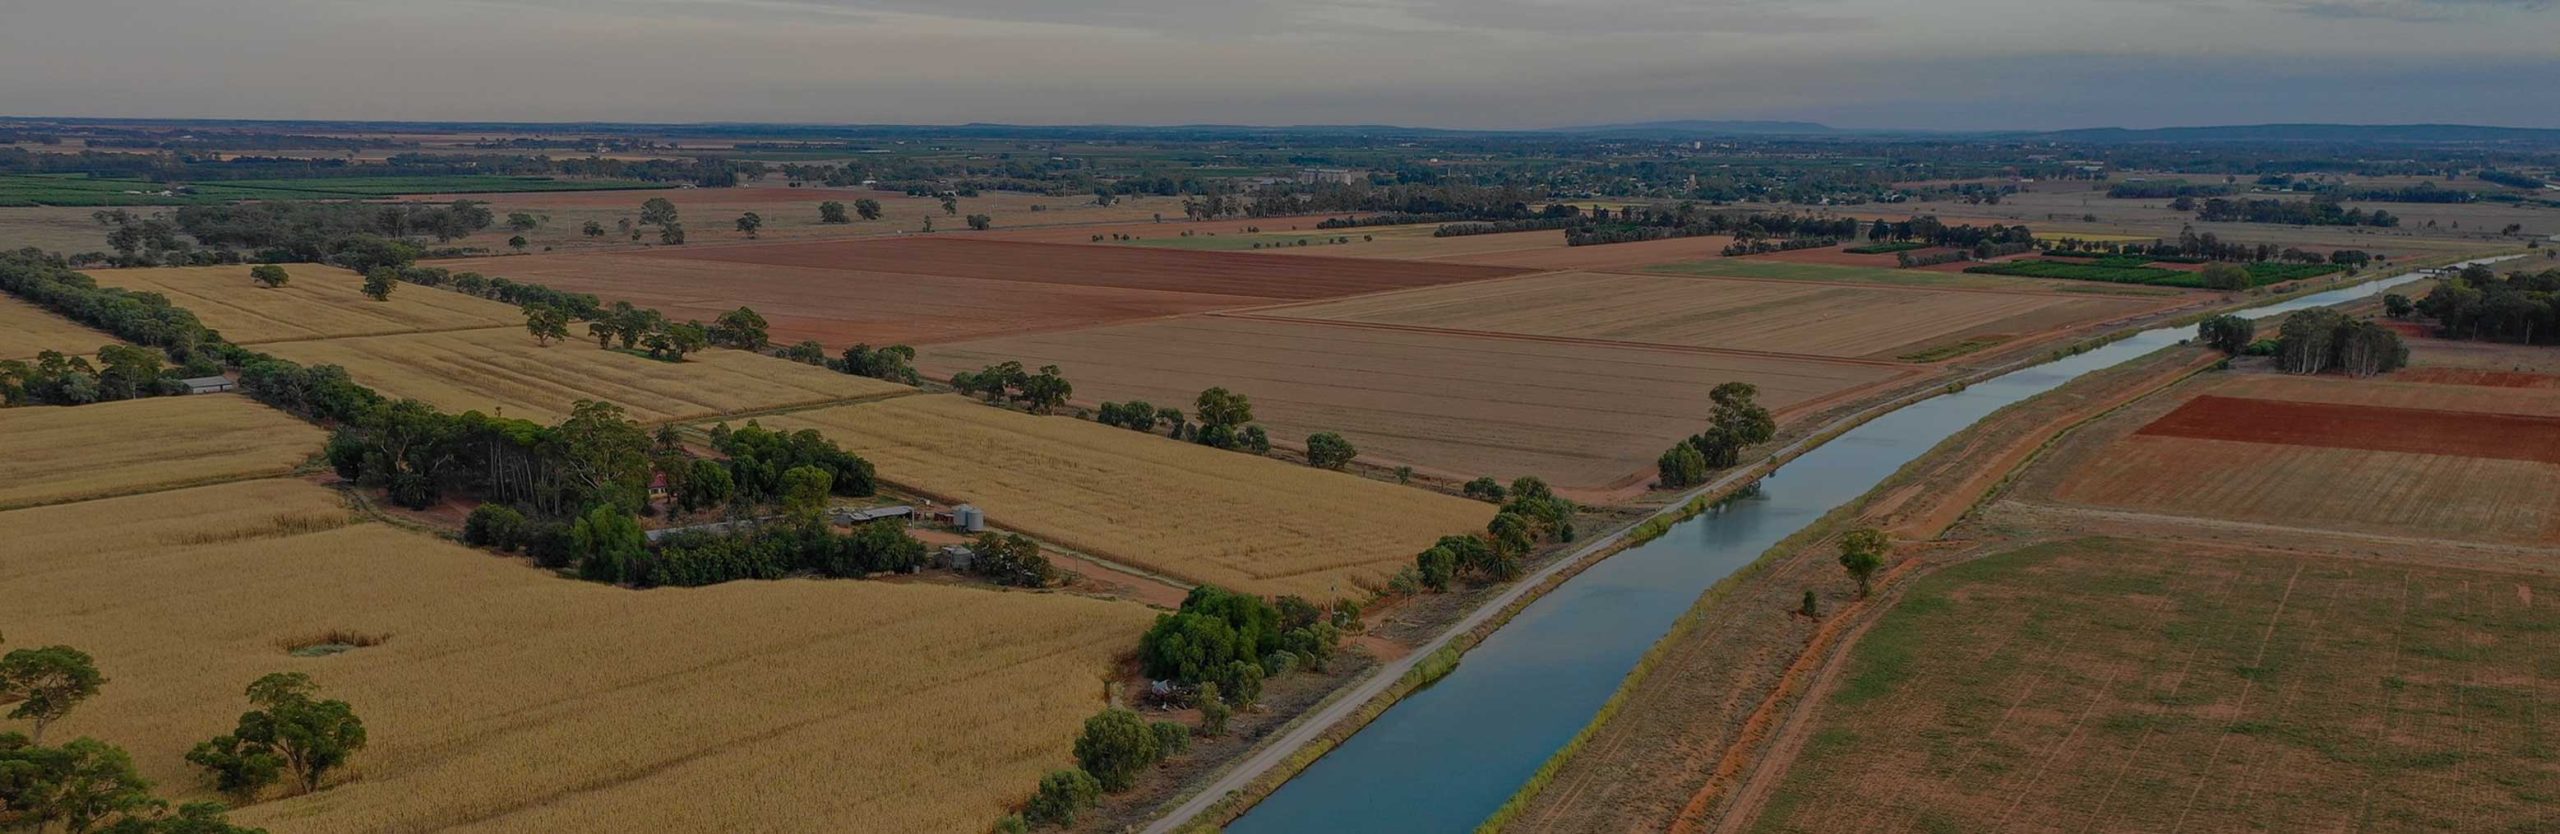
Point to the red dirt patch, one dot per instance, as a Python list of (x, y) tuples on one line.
[(2486, 379), (2370, 428)]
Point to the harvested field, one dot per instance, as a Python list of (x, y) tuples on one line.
[(2106, 684), (1838, 256), (1779, 317), (1408, 242), (507, 699), (1180, 509), (789, 213), (2366, 427), (921, 290), (27, 330), (1772, 269), (320, 302), (1581, 415), (2465, 376), (503, 372), (66, 453), (1606, 256)]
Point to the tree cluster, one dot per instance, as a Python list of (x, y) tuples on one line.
[(1738, 422), (2476, 303), (1039, 393), (1236, 640), (2316, 212), (122, 372), (2322, 340)]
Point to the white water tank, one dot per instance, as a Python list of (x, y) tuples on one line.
[(967, 517)]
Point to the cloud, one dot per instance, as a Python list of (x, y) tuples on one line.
[(2411, 11)]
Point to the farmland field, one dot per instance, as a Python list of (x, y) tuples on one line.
[(919, 290), (502, 371), (1607, 256), (1181, 509), (708, 214), (27, 330), (319, 302), (66, 453), (1819, 320), (2121, 685), (1779, 267), (1593, 416), (2378, 457), (507, 699)]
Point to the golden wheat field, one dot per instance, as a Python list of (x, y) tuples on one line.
[(27, 330), (507, 699), (1181, 509), (320, 302), (58, 453), (504, 372)]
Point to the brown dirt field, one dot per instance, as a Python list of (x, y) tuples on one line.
[(1221, 273), (1834, 256), (2493, 379), (709, 215), (1778, 316), (2111, 684), (1147, 229), (1607, 256), (2370, 428), (1450, 405)]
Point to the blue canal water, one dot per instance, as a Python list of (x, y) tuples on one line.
[(1444, 758)]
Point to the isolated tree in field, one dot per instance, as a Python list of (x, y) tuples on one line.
[(1862, 554), (1812, 606), (1063, 794), (2223, 276), (520, 222), (518, 243), (379, 282), (291, 733), (741, 329), (1327, 450), (928, 223), (1104, 198), (749, 223), (46, 683), (546, 323), (1115, 747), (868, 208), (2229, 334), (671, 234), (269, 275), (950, 205), (625, 226), (1221, 413), (657, 211), (981, 222), (84, 785), (832, 212), (591, 229)]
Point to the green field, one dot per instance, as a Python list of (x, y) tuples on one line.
[(81, 190)]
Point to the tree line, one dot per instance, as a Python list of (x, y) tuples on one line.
[(2477, 303)]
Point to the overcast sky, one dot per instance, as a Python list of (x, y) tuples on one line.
[(1441, 63)]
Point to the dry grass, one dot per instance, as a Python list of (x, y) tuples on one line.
[(512, 700), (2119, 685), (1181, 509), (27, 330), (319, 302), (1819, 320), (53, 453), (504, 372)]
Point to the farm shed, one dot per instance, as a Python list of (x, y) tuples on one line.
[(850, 517), (209, 384)]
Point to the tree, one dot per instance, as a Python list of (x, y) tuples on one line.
[(657, 211), (546, 323), (2225, 276), (518, 243), (1327, 450), (867, 208), (2397, 306), (1436, 566), (520, 222), (706, 486), (741, 328), (749, 223), (1115, 747), (1063, 794), (83, 784), (950, 205), (1104, 198), (494, 525), (832, 212), (1862, 554), (1483, 488), (379, 281), (1682, 467), (1220, 413), (1043, 392), (308, 737), (2226, 333), (269, 275), (1812, 607), (804, 492), (980, 222), (671, 234), (591, 229), (1213, 710), (608, 545), (46, 683)]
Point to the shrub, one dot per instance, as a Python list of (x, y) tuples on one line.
[(1115, 747), (1213, 711), (1171, 738), (1063, 794), (495, 526)]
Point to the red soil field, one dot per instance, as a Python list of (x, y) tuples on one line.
[(2370, 428), (1175, 270), (2486, 379)]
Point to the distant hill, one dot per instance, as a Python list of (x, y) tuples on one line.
[(2401, 134), (1710, 127)]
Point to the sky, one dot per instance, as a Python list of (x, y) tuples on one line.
[(1943, 64)]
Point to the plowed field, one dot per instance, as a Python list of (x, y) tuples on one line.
[(2371, 428)]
